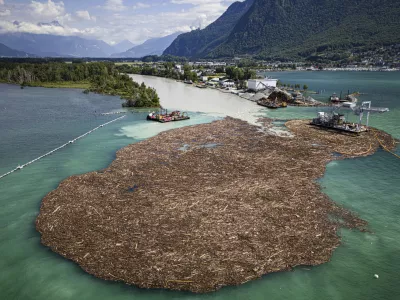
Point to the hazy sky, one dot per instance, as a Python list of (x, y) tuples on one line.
[(109, 20)]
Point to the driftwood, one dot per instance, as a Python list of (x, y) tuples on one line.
[(232, 205)]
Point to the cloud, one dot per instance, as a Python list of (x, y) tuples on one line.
[(140, 5), (4, 13), (114, 20), (84, 15), (47, 10), (1, 2), (114, 5), (27, 27)]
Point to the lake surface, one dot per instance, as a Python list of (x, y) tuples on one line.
[(36, 120)]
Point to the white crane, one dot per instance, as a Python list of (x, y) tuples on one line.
[(366, 107)]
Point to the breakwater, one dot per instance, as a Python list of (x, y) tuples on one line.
[(20, 167)]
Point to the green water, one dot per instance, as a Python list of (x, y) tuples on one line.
[(35, 120)]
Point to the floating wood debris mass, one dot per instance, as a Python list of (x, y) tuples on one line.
[(203, 207)]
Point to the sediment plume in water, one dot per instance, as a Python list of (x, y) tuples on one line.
[(202, 207)]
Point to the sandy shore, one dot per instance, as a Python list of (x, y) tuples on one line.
[(202, 207)]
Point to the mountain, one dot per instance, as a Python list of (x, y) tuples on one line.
[(300, 28), (56, 46), (198, 42), (44, 24), (8, 52), (154, 46), (123, 46)]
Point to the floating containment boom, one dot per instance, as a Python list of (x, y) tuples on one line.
[(20, 167)]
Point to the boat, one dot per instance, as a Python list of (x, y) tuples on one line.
[(334, 98), (336, 122), (165, 117), (201, 86), (272, 104), (188, 82), (269, 104)]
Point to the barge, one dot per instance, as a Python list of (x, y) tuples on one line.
[(272, 104), (337, 122), (165, 117)]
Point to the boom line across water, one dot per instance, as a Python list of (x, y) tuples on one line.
[(59, 148)]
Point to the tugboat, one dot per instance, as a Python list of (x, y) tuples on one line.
[(334, 98), (164, 117)]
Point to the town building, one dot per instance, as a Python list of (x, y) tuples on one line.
[(261, 84)]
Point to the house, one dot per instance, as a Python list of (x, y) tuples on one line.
[(261, 84)]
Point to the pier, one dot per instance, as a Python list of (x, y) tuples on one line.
[(20, 167)]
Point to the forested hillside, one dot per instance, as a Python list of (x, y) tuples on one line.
[(301, 28), (199, 43)]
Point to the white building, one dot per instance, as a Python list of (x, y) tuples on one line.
[(261, 84), (228, 83)]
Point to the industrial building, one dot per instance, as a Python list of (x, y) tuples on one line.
[(261, 84)]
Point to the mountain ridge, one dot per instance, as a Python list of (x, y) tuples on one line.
[(155, 46), (198, 42), (49, 45), (9, 52)]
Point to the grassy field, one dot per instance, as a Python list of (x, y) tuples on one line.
[(62, 84), (127, 63)]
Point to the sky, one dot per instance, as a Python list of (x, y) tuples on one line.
[(109, 20)]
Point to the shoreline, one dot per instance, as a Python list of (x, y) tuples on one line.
[(77, 86), (206, 216), (62, 84)]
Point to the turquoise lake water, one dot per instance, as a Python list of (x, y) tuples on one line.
[(34, 121)]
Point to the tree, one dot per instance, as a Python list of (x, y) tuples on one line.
[(219, 70), (305, 87)]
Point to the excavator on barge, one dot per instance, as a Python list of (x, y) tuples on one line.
[(337, 121), (164, 117)]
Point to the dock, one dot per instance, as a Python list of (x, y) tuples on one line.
[(20, 167)]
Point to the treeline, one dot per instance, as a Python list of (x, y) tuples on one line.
[(102, 78), (166, 70), (236, 73), (169, 70), (135, 94)]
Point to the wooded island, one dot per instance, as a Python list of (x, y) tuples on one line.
[(97, 77)]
